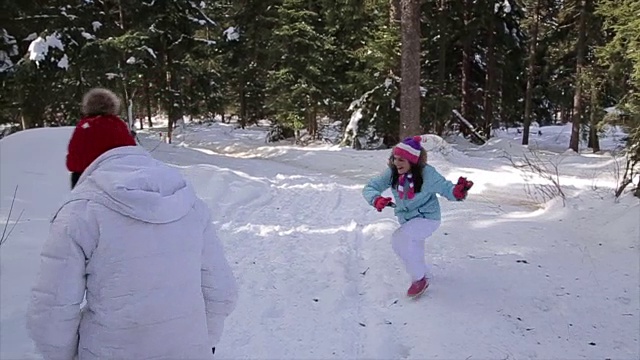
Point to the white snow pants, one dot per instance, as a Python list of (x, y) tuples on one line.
[(408, 243)]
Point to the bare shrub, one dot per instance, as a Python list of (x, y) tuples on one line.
[(533, 165), (5, 233), (624, 174)]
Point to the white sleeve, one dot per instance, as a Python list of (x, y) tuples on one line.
[(219, 285), (53, 315)]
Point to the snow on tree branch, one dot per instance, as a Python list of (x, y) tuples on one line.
[(39, 49), (149, 50), (36, 17), (5, 57), (205, 41), (206, 18), (231, 33)]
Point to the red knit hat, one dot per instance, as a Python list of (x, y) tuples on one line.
[(93, 136), (99, 131)]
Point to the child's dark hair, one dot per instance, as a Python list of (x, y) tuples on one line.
[(75, 176), (416, 171)]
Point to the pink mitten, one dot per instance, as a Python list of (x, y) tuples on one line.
[(381, 202)]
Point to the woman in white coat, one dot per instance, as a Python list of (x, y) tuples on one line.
[(135, 241)]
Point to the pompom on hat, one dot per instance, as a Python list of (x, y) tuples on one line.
[(410, 149), (99, 101), (99, 131)]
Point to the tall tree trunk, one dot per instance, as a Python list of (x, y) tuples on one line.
[(147, 95), (594, 142), (504, 119), (24, 118), (442, 66), (566, 114), (126, 91), (127, 100), (170, 94), (312, 122), (497, 91), (394, 70), (80, 89), (139, 114), (170, 106), (410, 90), (574, 144), (503, 109), (490, 78), (533, 48), (466, 66), (243, 104)]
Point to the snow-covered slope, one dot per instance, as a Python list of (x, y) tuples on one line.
[(318, 279)]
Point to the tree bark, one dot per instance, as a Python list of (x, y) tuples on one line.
[(466, 66), (170, 93), (169, 98), (312, 122), (410, 89), (533, 48), (442, 66), (574, 144), (565, 114), (243, 105), (147, 94), (594, 142), (490, 78)]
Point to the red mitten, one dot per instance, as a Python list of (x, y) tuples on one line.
[(461, 188), (381, 202), (467, 184)]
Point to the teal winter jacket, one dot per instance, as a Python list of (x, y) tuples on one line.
[(425, 203)]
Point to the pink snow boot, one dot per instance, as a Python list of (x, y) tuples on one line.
[(418, 287)]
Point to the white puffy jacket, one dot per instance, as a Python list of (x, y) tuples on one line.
[(136, 238)]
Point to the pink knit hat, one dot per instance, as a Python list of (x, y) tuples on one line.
[(409, 149)]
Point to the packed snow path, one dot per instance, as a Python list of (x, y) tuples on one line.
[(325, 283), (318, 278)]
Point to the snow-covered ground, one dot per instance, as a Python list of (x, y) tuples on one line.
[(515, 277)]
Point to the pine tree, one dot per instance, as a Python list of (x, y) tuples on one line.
[(297, 80), (620, 56)]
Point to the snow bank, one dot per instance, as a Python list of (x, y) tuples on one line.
[(33, 160), (19, 168), (436, 144)]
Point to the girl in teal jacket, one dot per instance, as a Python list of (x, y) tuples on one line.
[(414, 185)]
